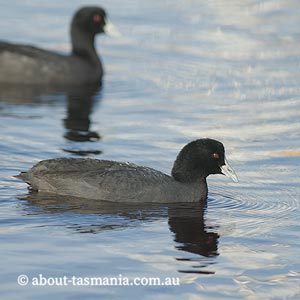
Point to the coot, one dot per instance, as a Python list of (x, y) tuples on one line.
[(31, 65), (126, 182)]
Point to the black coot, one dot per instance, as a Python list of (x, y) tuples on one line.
[(127, 182), (30, 65)]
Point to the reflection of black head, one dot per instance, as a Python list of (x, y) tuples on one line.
[(187, 224), (80, 105)]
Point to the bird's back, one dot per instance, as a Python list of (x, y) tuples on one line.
[(98, 179), (31, 65)]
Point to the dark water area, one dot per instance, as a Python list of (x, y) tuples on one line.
[(228, 70)]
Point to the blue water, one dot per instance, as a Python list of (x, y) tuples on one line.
[(228, 70)]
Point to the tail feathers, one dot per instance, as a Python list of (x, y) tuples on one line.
[(22, 176)]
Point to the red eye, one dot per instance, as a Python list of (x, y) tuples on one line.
[(97, 19), (216, 155)]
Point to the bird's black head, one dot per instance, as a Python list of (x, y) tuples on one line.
[(91, 19), (200, 158)]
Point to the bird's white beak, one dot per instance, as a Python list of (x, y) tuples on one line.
[(111, 29), (228, 171)]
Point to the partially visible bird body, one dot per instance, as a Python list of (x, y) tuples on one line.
[(25, 64), (31, 65), (109, 181)]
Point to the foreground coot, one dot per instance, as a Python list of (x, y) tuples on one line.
[(31, 65), (127, 182)]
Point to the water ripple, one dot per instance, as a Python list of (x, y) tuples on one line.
[(252, 211)]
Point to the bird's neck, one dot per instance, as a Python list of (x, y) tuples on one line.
[(83, 45), (188, 173), (194, 191)]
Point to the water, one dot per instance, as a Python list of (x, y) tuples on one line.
[(180, 71)]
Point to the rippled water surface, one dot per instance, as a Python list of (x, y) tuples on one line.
[(181, 70)]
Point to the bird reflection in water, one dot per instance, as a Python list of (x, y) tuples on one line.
[(80, 105), (80, 101), (186, 222), (191, 235)]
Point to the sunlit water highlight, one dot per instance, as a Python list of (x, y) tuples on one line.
[(181, 70)]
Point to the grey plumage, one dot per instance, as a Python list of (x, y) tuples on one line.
[(26, 64), (106, 180), (126, 182)]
